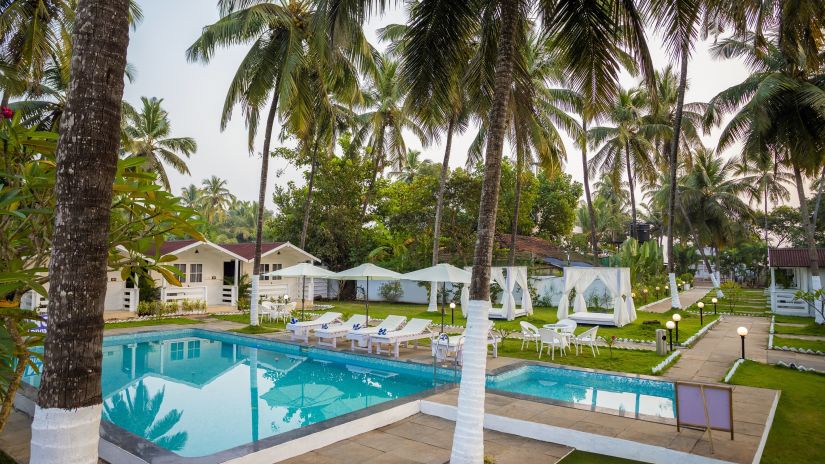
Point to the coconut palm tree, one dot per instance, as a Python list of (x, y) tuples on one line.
[(625, 145), (215, 198), (777, 112), (191, 196), (146, 135), (283, 37), (763, 182), (69, 400), (381, 127)]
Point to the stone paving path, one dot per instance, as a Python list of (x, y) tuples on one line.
[(686, 298), (428, 439), (710, 358)]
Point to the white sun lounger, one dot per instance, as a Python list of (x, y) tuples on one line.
[(301, 330), (330, 335), (360, 338), (415, 330)]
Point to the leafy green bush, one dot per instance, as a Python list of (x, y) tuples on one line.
[(686, 278), (391, 291)]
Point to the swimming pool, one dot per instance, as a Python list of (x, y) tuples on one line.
[(197, 392), (628, 396)]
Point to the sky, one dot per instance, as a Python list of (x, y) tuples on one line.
[(193, 94)]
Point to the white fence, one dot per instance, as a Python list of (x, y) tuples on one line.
[(182, 293), (785, 303), (229, 295), (33, 300), (267, 291), (130, 299)]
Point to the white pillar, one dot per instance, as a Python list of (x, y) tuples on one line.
[(133, 347), (816, 284), (773, 289), (65, 435), (433, 306)]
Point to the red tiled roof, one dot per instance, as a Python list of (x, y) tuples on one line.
[(536, 245), (793, 257), (170, 246), (247, 250)]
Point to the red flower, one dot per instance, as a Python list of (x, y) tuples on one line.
[(6, 112)]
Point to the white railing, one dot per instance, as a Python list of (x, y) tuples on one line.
[(784, 301), (229, 295), (182, 293), (130, 299), (267, 291)]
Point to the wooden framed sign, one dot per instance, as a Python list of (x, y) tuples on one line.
[(704, 407)]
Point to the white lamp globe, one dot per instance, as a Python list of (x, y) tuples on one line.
[(452, 305), (742, 331), (714, 300), (700, 305), (670, 325), (677, 317)]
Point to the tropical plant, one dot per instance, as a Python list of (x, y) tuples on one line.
[(146, 135), (215, 198), (20, 342), (138, 411)]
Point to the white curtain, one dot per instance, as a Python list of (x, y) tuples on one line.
[(526, 299), (615, 280), (570, 279), (508, 302)]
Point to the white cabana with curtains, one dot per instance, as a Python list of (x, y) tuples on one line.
[(617, 282), (507, 278)]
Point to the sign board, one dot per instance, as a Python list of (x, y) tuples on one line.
[(703, 406)]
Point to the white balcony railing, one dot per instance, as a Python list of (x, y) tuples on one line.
[(32, 300), (229, 295), (130, 299), (182, 293)]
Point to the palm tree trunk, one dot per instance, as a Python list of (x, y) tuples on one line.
[(511, 260), (632, 191), (807, 226), (767, 243), (819, 193), (442, 186), (468, 439), (674, 156), (439, 206), (259, 221), (69, 403), (588, 198), (308, 201)]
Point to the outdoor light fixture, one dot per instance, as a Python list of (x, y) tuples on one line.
[(701, 313), (633, 295), (676, 318), (743, 332), (714, 301), (657, 290), (670, 325), (452, 313)]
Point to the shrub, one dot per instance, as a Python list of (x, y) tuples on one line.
[(687, 278), (391, 291), (145, 308), (733, 293), (243, 304), (171, 307)]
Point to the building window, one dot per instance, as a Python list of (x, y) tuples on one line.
[(193, 350), (182, 269), (196, 273), (264, 272), (176, 351), (276, 267)]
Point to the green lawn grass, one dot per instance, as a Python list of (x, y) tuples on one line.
[(811, 328), (583, 457), (796, 434), (629, 361), (780, 319), (816, 345), (150, 322), (254, 330)]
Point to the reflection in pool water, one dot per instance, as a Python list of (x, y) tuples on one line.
[(627, 395), (198, 396)]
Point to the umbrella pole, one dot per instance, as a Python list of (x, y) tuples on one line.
[(443, 297), (303, 297), (367, 301)]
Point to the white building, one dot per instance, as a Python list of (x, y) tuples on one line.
[(208, 272), (790, 272)]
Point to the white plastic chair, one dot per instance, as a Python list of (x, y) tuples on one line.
[(551, 339), (587, 337), (529, 333)]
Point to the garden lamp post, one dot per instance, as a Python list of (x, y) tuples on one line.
[(714, 301), (452, 313), (644, 290), (742, 331), (670, 325), (676, 318), (657, 291), (701, 313)]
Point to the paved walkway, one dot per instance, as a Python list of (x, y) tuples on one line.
[(710, 358), (428, 439), (686, 298)]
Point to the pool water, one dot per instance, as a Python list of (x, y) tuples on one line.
[(200, 394), (629, 396)]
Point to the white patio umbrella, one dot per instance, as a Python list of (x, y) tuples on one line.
[(367, 271), (443, 273), (303, 270)]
